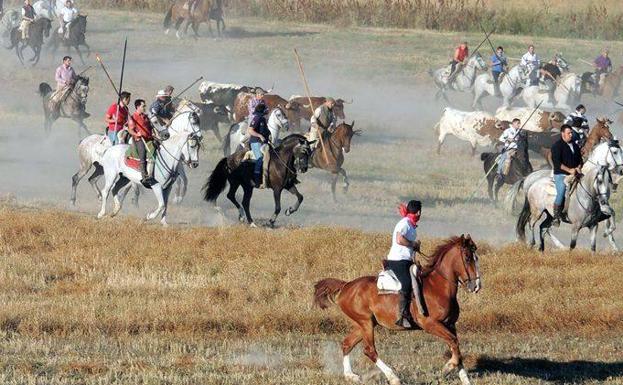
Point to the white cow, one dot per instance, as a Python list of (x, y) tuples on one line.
[(567, 93), (540, 121), (476, 127)]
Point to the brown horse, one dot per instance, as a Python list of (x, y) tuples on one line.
[(202, 11), (599, 132), (611, 85), (335, 145), (454, 262)]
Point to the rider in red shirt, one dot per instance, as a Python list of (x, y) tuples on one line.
[(141, 130), (117, 117), (460, 56)]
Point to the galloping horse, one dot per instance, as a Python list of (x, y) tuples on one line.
[(277, 121), (611, 83), (73, 106), (463, 80), (286, 160), (510, 85), (38, 29), (202, 12), (335, 145), (76, 38), (454, 262)]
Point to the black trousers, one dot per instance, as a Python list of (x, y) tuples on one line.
[(496, 77), (401, 269), (453, 64)]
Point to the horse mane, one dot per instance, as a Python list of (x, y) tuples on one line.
[(429, 263)]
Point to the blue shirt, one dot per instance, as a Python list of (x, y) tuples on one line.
[(498, 64), (161, 109), (259, 125)]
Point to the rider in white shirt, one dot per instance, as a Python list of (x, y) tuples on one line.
[(66, 16), (509, 140), (400, 257), (531, 60)]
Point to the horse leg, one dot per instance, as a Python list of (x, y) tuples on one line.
[(195, 27), (246, 203), (333, 183), (299, 199), (75, 179), (79, 53), (455, 362), (490, 180), (349, 342), (593, 230), (99, 171), (231, 195), (110, 181), (217, 133), (210, 28), (277, 197), (118, 194), (88, 49), (345, 179), (182, 185), (157, 189), (442, 138), (543, 230), (137, 192), (367, 331), (165, 196), (473, 147), (19, 53)]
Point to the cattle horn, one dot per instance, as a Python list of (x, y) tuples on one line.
[(352, 124), (271, 88), (345, 102)]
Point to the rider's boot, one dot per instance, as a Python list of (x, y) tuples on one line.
[(405, 319), (557, 215)]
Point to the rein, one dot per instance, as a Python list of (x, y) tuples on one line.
[(458, 278)]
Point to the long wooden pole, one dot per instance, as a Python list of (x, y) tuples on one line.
[(125, 48), (311, 106)]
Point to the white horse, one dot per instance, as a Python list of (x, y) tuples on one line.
[(48, 8), (277, 121), (588, 205), (509, 86), (464, 79), (183, 145), (566, 93)]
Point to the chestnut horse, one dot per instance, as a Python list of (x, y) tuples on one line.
[(454, 262), (599, 132), (201, 12), (335, 145)]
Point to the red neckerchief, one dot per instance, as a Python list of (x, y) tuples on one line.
[(413, 218)]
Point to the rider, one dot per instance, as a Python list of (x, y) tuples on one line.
[(579, 124), (531, 60), (509, 141), (141, 130), (400, 257), (498, 65), (567, 160), (253, 102), (259, 134), (117, 117), (461, 53), (66, 16), (28, 16), (603, 65), (65, 77), (322, 120), (160, 111)]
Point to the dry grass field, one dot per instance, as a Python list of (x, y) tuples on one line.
[(92, 302)]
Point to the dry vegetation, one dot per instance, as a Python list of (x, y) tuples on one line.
[(86, 302)]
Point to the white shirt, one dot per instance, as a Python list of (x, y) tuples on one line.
[(531, 60), (509, 138), (68, 14), (399, 252)]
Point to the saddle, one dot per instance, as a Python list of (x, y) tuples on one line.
[(133, 160), (388, 283), (572, 183), (246, 155), (500, 78)]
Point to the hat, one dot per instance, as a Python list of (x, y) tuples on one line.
[(161, 93)]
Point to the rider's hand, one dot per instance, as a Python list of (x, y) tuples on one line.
[(417, 245), (262, 138)]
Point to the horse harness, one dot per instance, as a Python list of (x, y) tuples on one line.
[(464, 260)]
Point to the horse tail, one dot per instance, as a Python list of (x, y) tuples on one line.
[(44, 89), (511, 196), (227, 141), (522, 221), (168, 17), (486, 155), (216, 182), (326, 290)]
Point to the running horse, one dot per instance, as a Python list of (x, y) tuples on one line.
[(38, 30), (454, 263), (202, 11), (76, 38), (330, 157), (72, 105)]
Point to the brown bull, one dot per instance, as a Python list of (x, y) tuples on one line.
[(241, 106), (305, 112)]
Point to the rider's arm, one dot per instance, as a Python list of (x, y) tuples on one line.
[(132, 127), (111, 114), (402, 241), (57, 76)]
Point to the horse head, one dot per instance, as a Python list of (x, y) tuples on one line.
[(561, 62), (81, 89), (602, 129), (344, 134), (469, 272), (302, 153), (47, 26), (278, 118), (479, 62), (338, 110)]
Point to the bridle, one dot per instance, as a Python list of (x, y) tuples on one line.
[(458, 281)]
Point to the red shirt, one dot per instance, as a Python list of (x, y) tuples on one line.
[(140, 123), (122, 118), (461, 53)]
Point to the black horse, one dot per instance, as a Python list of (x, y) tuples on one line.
[(286, 160), (75, 39), (38, 29), (520, 166)]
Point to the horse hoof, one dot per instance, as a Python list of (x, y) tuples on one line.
[(448, 369), (394, 381), (288, 212), (353, 377), (253, 225), (100, 215)]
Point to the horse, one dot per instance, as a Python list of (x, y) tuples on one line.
[(77, 31), (453, 263), (9, 21), (38, 29), (566, 92), (288, 159), (202, 12), (588, 206), (610, 87), (73, 105), (510, 86), (48, 8), (520, 166), (463, 80), (277, 121), (183, 145), (607, 153), (335, 145)]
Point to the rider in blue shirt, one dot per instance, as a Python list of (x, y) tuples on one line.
[(259, 134), (498, 65)]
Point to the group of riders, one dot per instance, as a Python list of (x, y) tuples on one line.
[(66, 16), (537, 70)]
